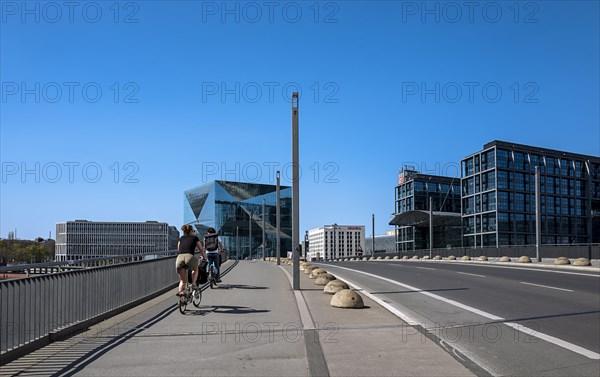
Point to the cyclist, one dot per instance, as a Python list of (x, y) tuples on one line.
[(185, 247), (213, 247)]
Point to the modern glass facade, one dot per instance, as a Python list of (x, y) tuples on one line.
[(498, 196), (413, 193), (234, 209)]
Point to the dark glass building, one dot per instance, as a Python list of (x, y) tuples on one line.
[(235, 208), (498, 196), (411, 216)]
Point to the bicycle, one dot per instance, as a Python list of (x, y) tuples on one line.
[(211, 274), (190, 295)]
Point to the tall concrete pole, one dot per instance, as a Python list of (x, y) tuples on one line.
[(250, 234), (295, 193), (430, 227), (237, 242), (278, 221), (263, 230), (538, 215), (373, 233)]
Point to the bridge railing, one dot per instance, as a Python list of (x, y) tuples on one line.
[(36, 310)]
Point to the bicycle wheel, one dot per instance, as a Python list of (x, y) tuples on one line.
[(211, 279), (197, 297), (182, 305)]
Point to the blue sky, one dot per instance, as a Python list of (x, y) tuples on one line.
[(109, 112)]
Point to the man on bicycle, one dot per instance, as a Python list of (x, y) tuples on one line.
[(185, 259), (213, 247)]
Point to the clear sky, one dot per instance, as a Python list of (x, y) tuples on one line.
[(109, 111)]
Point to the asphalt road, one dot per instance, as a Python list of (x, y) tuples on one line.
[(508, 320)]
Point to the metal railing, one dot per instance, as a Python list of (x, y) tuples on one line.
[(33, 310), (546, 251)]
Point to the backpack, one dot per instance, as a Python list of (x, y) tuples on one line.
[(211, 242)]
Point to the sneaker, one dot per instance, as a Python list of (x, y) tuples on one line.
[(194, 286), (219, 281)]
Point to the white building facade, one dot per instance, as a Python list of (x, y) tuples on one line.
[(335, 241), (82, 239)]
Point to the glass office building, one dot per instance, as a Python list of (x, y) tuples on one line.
[(498, 196), (234, 209), (411, 217)]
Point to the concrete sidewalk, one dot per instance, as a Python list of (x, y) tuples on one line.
[(252, 325)]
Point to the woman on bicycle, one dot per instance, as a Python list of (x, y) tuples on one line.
[(185, 247), (213, 247)]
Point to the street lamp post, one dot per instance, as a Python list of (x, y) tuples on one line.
[(295, 193), (278, 220)]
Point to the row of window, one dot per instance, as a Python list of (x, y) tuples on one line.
[(478, 163), (524, 223)]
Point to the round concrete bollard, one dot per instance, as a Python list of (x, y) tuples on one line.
[(387, 257), (303, 266), (483, 258), (317, 271), (451, 257), (582, 262), (562, 261), (372, 258), (309, 269), (415, 257), (379, 258), (524, 259), (334, 286), (396, 257), (365, 259), (347, 299), (437, 257), (323, 279), (405, 257), (465, 257), (425, 257), (504, 259)]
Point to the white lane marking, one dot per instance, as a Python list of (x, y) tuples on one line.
[(432, 295), (559, 342), (547, 286), (466, 273), (426, 268), (403, 316), (307, 322), (541, 269), (548, 338)]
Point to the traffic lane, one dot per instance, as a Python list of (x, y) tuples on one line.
[(571, 316), (574, 280), (496, 347)]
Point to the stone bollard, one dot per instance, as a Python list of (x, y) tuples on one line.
[(451, 257), (365, 259), (317, 271), (562, 261), (324, 279), (347, 299), (396, 257), (437, 257), (387, 257), (309, 269), (426, 257), (483, 258), (405, 257), (303, 266), (335, 286), (504, 259), (415, 257), (524, 259), (465, 257), (582, 262)]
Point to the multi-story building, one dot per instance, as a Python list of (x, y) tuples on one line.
[(335, 241), (411, 218), (234, 210), (82, 239), (498, 196)]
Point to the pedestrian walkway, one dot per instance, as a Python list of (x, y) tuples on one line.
[(250, 326)]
